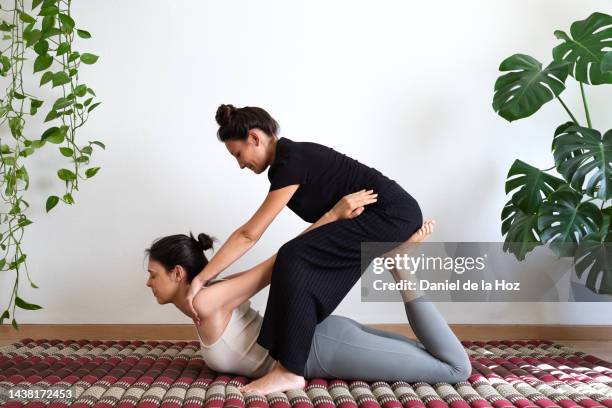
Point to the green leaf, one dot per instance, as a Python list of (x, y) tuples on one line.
[(31, 37), (72, 72), (19, 302), (87, 58), (46, 77), (62, 103), (102, 145), (87, 150), (62, 48), (53, 135), (16, 126), (41, 47), (89, 173), (47, 24), (68, 198), (33, 285), (89, 90), (36, 144), (520, 229), (52, 32), (80, 90), (34, 105), (42, 62), (14, 323), (88, 101), (35, 3), (48, 11), (60, 78), (92, 107), (584, 50), (584, 158), (564, 220), (17, 95), (4, 26), (533, 186), (51, 202), (6, 63), (51, 115), (26, 18), (66, 175), (83, 34), (26, 152), (5, 315), (66, 151), (82, 159), (606, 63), (523, 91), (24, 222), (73, 56), (66, 21), (594, 254)]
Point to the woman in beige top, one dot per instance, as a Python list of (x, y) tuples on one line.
[(342, 348)]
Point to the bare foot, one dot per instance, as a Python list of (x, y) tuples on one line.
[(423, 232), (279, 379), (406, 248)]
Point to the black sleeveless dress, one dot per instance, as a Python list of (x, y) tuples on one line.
[(314, 271)]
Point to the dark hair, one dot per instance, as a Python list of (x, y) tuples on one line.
[(182, 250), (235, 123)]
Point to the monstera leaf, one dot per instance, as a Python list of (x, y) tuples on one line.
[(606, 63), (521, 229), (534, 186), (564, 220), (594, 254), (523, 91), (590, 40), (580, 152)]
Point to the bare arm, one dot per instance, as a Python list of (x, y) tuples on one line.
[(248, 234), (240, 241)]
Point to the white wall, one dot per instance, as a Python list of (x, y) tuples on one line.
[(405, 87)]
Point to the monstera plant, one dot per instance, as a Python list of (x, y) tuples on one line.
[(568, 212)]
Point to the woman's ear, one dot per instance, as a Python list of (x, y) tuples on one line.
[(179, 273), (254, 137)]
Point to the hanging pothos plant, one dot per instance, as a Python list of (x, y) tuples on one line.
[(545, 209), (39, 42)]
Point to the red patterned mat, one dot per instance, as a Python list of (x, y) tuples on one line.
[(523, 374)]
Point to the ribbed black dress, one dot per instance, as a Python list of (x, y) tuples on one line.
[(314, 271)]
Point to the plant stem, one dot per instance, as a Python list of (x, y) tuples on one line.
[(568, 111), (586, 108), (550, 168)]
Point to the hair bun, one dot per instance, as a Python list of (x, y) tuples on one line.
[(224, 114), (203, 242)]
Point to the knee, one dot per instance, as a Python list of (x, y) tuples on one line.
[(288, 264), (462, 369)]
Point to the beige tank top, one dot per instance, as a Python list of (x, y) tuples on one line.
[(236, 351)]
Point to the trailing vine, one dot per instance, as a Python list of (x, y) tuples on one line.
[(44, 34)]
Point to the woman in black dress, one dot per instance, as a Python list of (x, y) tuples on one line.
[(313, 272)]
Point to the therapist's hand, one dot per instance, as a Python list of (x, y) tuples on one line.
[(196, 285), (352, 205)]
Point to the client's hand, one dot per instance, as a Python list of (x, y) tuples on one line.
[(196, 285), (352, 205)]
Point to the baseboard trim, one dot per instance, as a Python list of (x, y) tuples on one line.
[(187, 331)]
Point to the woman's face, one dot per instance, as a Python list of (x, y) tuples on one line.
[(251, 153), (164, 284)]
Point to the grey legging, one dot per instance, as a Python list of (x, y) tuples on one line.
[(344, 348)]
